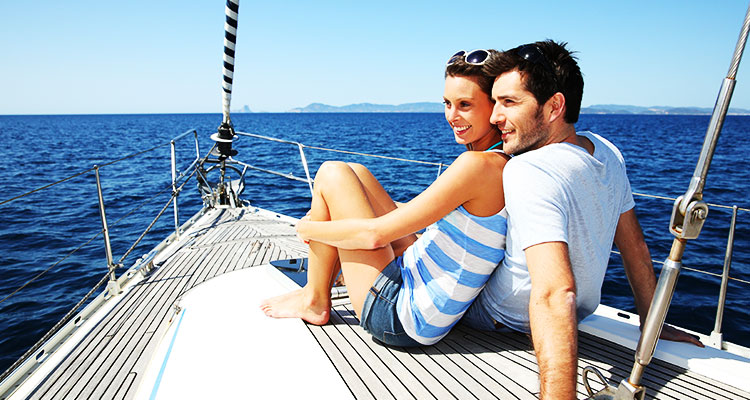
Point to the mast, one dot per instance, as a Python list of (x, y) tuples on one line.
[(225, 133)]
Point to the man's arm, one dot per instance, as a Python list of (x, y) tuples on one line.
[(636, 260), (552, 315)]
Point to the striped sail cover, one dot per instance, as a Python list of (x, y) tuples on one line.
[(230, 40), (445, 269)]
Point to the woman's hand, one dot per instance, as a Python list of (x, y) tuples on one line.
[(302, 221)]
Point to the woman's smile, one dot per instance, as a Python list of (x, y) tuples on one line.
[(468, 110), (460, 129)]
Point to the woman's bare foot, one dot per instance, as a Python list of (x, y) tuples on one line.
[(298, 304), (280, 298)]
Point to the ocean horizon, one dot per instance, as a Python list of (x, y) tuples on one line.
[(436, 107)]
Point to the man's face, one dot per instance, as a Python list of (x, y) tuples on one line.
[(517, 115)]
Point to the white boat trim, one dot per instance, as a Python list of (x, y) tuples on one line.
[(721, 365)]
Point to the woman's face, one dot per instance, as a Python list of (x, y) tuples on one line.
[(468, 110)]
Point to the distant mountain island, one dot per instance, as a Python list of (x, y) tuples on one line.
[(424, 107), (432, 107), (623, 109), (244, 109)]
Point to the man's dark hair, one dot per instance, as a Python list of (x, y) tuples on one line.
[(464, 69), (546, 68)]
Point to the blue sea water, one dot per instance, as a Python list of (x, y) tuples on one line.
[(38, 230)]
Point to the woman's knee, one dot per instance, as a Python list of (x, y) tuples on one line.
[(358, 168), (363, 173), (332, 172)]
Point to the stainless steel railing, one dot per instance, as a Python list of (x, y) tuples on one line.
[(113, 288)]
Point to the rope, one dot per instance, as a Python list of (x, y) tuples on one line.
[(70, 313), (134, 154), (230, 39), (740, 48), (289, 176), (268, 171)]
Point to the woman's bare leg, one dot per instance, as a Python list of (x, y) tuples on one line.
[(338, 194), (312, 302), (382, 203)]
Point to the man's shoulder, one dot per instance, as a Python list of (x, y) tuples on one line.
[(547, 160), (536, 174), (533, 158), (602, 145), (528, 164)]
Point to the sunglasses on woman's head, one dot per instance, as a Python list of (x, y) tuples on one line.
[(475, 57)]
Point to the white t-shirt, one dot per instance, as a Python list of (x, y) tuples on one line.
[(559, 193)]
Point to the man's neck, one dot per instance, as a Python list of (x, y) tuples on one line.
[(567, 134)]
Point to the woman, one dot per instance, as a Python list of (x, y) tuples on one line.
[(409, 291)]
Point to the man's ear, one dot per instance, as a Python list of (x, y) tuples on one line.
[(556, 107)]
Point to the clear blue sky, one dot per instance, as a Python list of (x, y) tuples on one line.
[(165, 56)]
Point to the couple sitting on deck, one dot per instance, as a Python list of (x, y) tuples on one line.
[(516, 243)]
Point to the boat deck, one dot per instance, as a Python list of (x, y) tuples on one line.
[(111, 360)]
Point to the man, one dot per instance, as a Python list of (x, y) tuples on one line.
[(567, 197)]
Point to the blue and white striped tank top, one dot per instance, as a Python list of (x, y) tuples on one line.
[(445, 269)]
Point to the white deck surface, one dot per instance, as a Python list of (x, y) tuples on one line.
[(221, 345)]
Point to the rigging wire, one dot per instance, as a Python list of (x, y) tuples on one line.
[(81, 173), (46, 186), (693, 269), (39, 275), (141, 205), (171, 199), (674, 198)]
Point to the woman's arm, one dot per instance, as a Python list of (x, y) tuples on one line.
[(473, 178)]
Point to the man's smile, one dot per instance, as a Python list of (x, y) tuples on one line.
[(505, 132)]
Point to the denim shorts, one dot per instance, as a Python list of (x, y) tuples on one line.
[(379, 314), (477, 317)]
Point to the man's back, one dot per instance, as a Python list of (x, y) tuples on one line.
[(559, 193)]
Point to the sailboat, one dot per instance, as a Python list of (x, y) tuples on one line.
[(183, 320)]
